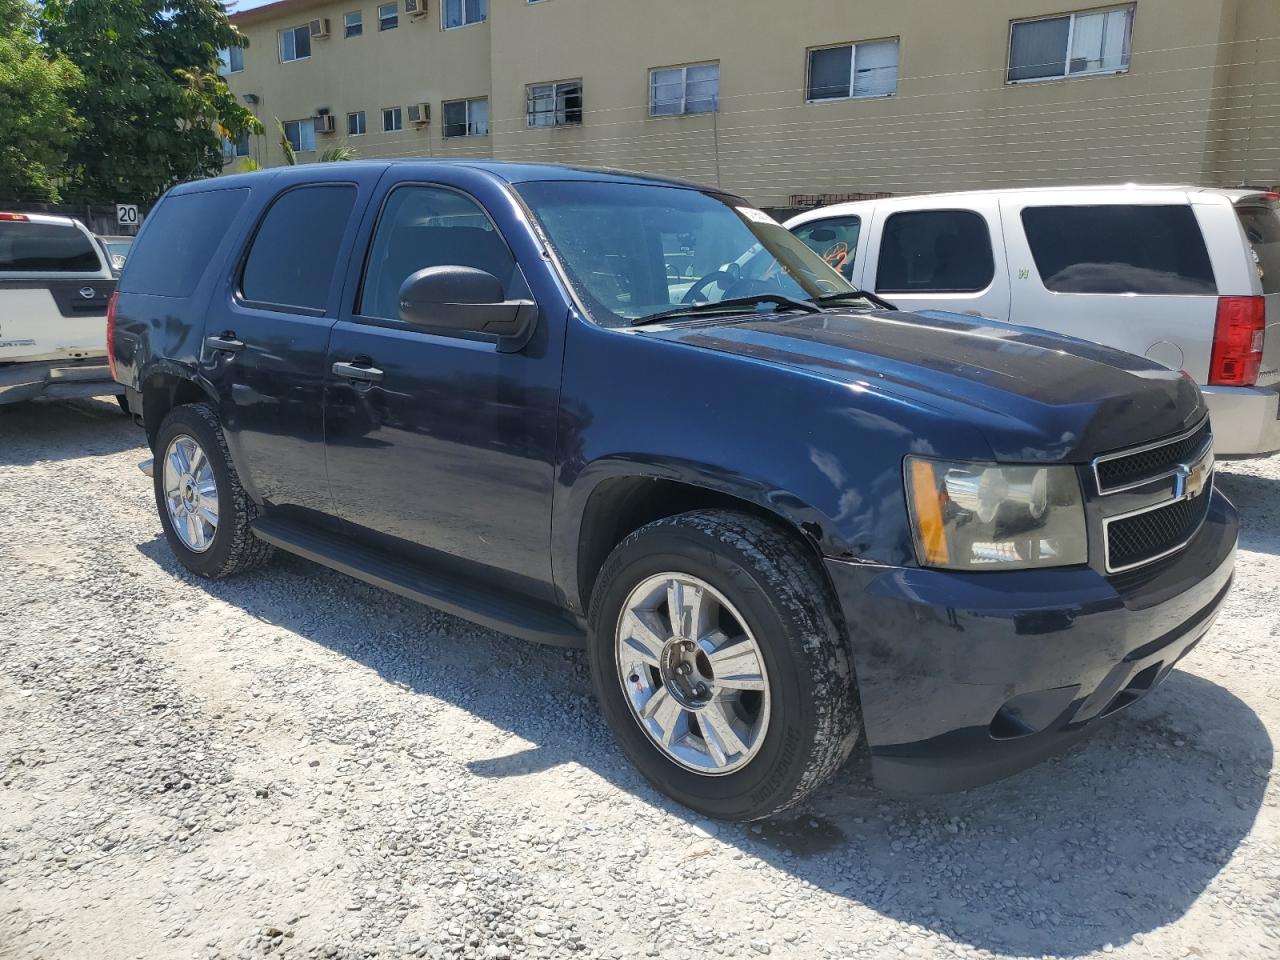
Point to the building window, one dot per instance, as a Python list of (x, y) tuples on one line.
[(1071, 45), (460, 13), (554, 104), (388, 17), (239, 147), (677, 90), (301, 134), (353, 23), (355, 124), (853, 70), (466, 118), (295, 44), (392, 119), (230, 60)]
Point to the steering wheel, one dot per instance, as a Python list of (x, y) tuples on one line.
[(694, 294)]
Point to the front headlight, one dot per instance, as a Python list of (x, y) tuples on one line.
[(971, 516)]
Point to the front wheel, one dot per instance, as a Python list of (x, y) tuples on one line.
[(719, 664)]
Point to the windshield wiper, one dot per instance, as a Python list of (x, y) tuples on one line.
[(735, 304), (853, 295)]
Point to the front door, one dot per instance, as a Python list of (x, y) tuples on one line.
[(440, 448), (266, 337)]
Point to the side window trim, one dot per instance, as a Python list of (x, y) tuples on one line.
[(242, 258), (356, 302), (882, 228)]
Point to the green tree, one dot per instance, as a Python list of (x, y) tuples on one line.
[(154, 108), (37, 125)]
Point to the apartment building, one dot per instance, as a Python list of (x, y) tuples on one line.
[(789, 102)]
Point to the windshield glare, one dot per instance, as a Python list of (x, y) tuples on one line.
[(635, 250)]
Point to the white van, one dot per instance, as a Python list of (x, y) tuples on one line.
[(1186, 276)]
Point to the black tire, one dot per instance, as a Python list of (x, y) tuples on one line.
[(234, 548), (786, 604), (123, 400)]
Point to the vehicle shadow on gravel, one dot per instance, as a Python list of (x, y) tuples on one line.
[(85, 428), (1114, 839), (1258, 500)]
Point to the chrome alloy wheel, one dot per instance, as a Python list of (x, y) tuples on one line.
[(190, 493), (692, 673)]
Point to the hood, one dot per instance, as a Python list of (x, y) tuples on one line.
[(1034, 395)]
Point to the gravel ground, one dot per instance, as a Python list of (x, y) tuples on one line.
[(293, 763)]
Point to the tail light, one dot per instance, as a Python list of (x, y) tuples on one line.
[(1237, 341), (15, 217), (111, 332)]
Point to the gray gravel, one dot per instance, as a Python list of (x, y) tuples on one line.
[(294, 764)]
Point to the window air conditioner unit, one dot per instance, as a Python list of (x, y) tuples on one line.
[(417, 9), (319, 28), (420, 114), (325, 123)]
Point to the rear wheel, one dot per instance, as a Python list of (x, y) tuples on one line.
[(720, 664), (205, 511)]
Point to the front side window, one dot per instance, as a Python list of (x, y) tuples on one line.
[(935, 251), (554, 104), (1119, 248), (466, 118), (423, 227), (853, 70), (301, 134), (355, 124), (679, 90), (1261, 225), (631, 251), (392, 119), (388, 16), (353, 24), (460, 13), (1071, 45), (835, 240), (294, 256), (295, 44)]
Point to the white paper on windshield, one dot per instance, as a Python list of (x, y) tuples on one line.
[(756, 216)]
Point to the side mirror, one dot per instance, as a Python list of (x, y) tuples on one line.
[(464, 300)]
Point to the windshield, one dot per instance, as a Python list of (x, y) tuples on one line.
[(636, 250)]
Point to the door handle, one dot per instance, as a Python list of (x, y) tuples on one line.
[(224, 342), (352, 371)]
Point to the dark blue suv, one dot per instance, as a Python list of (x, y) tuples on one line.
[(593, 408)]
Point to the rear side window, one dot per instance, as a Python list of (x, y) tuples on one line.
[(1262, 227), (45, 247), (935, 251), (178, 241), (424, 226), (834, 240), (1119, 249), (295, 252)]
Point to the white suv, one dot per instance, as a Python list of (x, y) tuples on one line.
[(1187, 276), (55, 285)]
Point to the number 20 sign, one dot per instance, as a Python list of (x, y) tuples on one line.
[(127, 214)]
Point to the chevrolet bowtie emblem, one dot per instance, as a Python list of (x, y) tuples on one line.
[(1190, 479)]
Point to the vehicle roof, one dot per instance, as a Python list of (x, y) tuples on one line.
[(507, 171), (44, 217), (1230, 194)]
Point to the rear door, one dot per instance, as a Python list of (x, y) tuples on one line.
[(1127, 269), (924, 255), (1260, 218), (267, 333), (54, 287)]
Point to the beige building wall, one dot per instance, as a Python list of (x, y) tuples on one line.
[(1198, 104)]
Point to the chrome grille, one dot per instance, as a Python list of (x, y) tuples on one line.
[(1115, 472), (1147, 536)]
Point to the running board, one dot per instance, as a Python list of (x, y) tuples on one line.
[(526, 619)]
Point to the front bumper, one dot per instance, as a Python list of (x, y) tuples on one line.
[(1246, 420), (59, 379), (965, 678)]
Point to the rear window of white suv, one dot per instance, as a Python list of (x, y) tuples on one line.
[(1120, 248), (1262, 227), (30, 247)]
